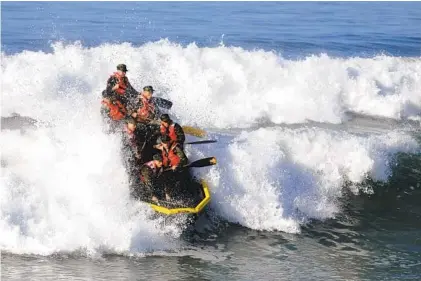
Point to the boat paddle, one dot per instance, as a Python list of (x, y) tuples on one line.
[(194, 131), (201, 142), (198, 163)]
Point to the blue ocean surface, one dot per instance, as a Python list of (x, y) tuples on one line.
[(315, 108), (293, 29)]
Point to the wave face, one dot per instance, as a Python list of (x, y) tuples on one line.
[(277, 179), (64, 188), (63, 185), (222, 87)]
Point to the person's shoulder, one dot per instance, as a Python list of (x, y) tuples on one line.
[(178, 128)]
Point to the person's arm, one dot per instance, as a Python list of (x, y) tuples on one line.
[(131, 92), (183, 158), (159, 147), (105, 94), (132, 108), (157, 113), (180, 134), (108, 93), (134, 146)]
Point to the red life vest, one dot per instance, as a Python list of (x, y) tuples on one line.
[(170, 158), (122, 82), (116, 110), (170, 131), (147, 111)]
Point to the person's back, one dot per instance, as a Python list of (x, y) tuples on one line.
[(130, 149), (143, 138), (149, 174)]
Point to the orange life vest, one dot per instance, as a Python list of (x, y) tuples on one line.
[(170, 158), (170, 131), (116, 110), (146, 111), (122, 82)]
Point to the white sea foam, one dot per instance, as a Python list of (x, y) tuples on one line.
[(276, 179), (64, 188), (222, 87)]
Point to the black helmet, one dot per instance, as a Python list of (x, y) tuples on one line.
[(122, 67), (148, 89), (157, 157), (166, 118)]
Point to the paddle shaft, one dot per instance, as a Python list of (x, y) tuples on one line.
[(199, 163), (201, 142)]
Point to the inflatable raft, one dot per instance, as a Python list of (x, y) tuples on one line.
[(193, 205)]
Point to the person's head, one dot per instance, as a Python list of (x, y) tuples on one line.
[(158, 160), (131, 124), (147, 92), (122, 69), (165, 120)]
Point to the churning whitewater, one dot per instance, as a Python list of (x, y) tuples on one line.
[(63, 185)]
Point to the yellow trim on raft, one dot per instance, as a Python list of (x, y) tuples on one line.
[(195, 210)]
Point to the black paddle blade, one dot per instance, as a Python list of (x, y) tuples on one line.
[(200, 142), (203, 162), (162, 102)]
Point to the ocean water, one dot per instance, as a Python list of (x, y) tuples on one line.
[(316, 107)]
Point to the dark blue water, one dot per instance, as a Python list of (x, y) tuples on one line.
[(296, 218), (293, 29)]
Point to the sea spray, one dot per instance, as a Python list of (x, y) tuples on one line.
[(63, 185)]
